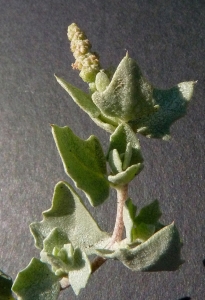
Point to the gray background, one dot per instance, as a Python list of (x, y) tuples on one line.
[(167, 40)]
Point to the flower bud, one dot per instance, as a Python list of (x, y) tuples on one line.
[(86, 61), (72, 30), (88, 74), (101, 81)]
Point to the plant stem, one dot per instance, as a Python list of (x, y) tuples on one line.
[(122, 195)]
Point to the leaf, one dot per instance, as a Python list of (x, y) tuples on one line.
[(69, 215), (161, 252), (126, 176), (78, 278), (124, 142), (105, 123), (145, 224), (73, 262), (56, 238), (129, 213), (115, 161), (5, 287), (127, 156), (81, 98), (36, 282), (120, 139), (143, 232), (52, 250), (85, 102), (84, 162), (172, 106), (61, 260), (128, 96), (149, 214)]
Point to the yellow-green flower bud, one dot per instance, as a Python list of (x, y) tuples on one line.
[(86, 61), (72, 30), (88, 74), (82, 46), (101, 81)]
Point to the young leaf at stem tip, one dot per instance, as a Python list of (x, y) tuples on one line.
[(124, 155)]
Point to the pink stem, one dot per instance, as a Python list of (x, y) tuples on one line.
[(122, 195)]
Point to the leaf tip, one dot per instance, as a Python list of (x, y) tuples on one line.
[(187, 89)]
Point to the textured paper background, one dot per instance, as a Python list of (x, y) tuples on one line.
[(167, 40)]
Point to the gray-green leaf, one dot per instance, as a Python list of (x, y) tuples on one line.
[(85, 102), (128, 96), (124, 155), (81, 98), (69, 215), (73, 262), (57, 238), (80, 274), (84, 162), (172, 106), (36, 282)]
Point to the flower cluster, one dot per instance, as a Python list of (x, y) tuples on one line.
[(86, 61)]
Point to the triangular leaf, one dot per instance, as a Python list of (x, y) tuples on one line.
[(36, 282), (84, 162), (172, 106), (161, 252), (128, 96), (69, 214)]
